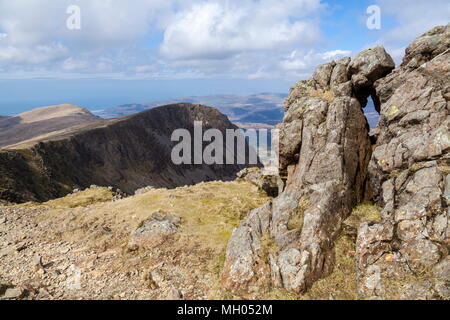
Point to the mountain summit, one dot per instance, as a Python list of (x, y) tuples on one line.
[(42, 121)]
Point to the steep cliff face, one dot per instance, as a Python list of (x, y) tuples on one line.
[(126, 153), (326, 158), (406, 255)]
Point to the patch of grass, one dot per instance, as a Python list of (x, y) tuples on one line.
[(281, 294), (209, 211), (341, 284), (395, 286), (444, 168), (365, 212), (417, 166)]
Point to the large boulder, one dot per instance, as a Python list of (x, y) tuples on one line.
[(368, 67), (407, 253), (373, 64)]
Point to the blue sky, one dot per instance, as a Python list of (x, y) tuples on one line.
[(133, 51)]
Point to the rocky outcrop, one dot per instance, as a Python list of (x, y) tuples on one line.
[(127, 153), (324, 154), (406, 255)]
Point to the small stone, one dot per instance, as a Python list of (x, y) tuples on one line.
[(14, 293), (37, 263), (6, 251), (173, 294), (64, 250)]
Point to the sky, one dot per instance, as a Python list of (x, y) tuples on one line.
[(102, 53)]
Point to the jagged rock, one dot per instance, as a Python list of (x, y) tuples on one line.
[(409, 176), (290, 139), (340, 72), (422, 50), (323, 73), (324, 150), (173, 294), (427, 46), (373, 64), (270, 184), (367, 67), (151, 234)]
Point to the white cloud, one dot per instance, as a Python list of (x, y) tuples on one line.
[(38, 36), (301, 64), (221, 29), (13, 55), (244, 38), (412, 18)]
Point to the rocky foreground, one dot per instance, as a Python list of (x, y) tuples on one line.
[(158, 244)]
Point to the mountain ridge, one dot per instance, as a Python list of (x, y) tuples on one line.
[(126, 153)]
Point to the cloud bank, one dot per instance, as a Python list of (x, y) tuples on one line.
[(251, 39)]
